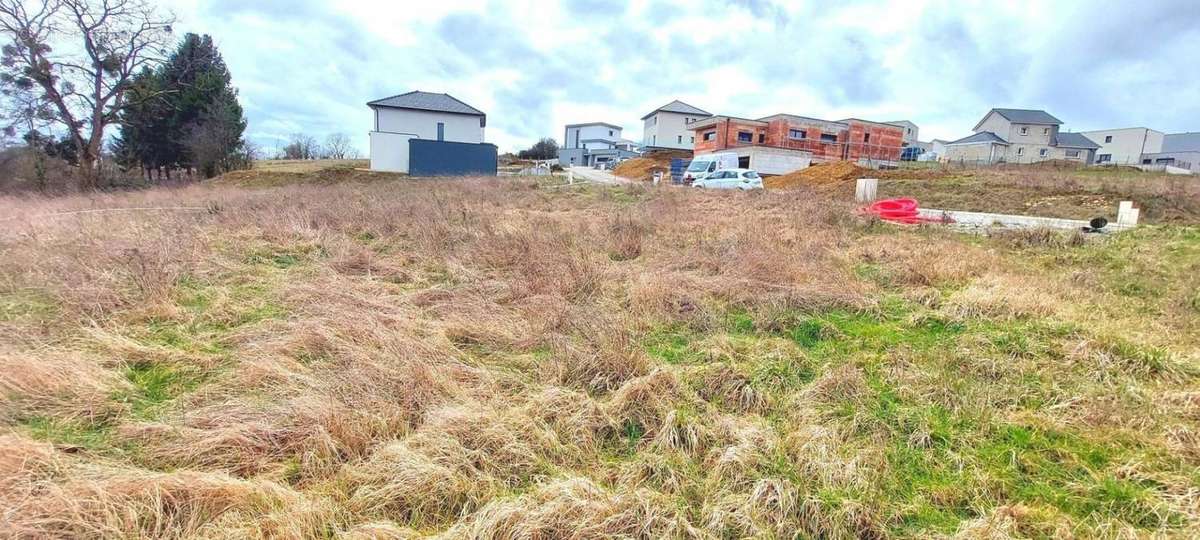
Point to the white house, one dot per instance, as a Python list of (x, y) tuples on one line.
[(1125, 146), (419, 115), (911, 132), (594, 143), (1021, 136), (667, 126)]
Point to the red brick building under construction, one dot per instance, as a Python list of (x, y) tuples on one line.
[(871, 143)]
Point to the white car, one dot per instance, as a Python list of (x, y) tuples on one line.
[(743, 179)]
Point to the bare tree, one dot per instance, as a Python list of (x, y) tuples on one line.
[(107, 43), (339, 146), (300, 146)]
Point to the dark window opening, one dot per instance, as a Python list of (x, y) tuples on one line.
[(828, 137), (441, 131), (797, 134), (745, 136), (710, 135), (1108, 138), (743, 162), (866, 137), (761, 138), (680, 139)]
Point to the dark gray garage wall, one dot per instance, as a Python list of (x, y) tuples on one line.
[(445, 158)]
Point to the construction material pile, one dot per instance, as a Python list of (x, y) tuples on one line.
[(644, 167), (820, 176), (641, 168)]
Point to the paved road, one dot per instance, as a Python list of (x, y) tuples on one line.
[(595, 175)]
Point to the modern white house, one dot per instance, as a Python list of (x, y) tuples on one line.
[(424, 116), (1125, 146), (594, 143), (911, 132), (1180, 150), (667, 126)]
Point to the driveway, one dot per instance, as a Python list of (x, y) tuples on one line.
[(595, 175)]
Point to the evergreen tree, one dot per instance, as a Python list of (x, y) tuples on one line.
[(168, 128)]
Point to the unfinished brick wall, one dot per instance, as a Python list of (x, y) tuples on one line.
[(883, 144), (726, 135), (779, 135), (868, 140)]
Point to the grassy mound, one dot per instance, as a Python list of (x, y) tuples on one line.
[(491, 359)]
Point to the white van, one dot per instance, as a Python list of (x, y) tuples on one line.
[(706, 164)]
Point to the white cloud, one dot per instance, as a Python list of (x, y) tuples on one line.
[(533, 67)]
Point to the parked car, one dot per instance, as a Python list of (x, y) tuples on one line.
[(707, 164), (743, 179), (911, 153)]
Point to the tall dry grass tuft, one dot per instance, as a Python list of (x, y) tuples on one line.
[(577, 508), (60, 384), (482, 358)]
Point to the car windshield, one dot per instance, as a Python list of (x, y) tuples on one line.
[(750, 174), (698, 166)]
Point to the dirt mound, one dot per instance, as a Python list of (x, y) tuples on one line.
[(643, 168), (821, 175), (259, 177)]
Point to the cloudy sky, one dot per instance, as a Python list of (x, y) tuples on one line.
[(311, 65)]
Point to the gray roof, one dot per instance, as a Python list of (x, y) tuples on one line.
[(678, 107), (1074, 140), (1181, 142), (427, 101), (1027, 116), (585, 124), (981, 137)]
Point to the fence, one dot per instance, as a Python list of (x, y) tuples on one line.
[(445, 158)]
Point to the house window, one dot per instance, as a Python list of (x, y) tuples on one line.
[(797, 134), (610, 133), (1020, 151), (710, 135), (1045, 131), (866, 137), (441, 131), (1072, 153), (680, 137), (828, 137), (1164, 161), (1145, 162), (745, 136), (655, 119), (1043, 152), (1108, 138), (654, 139), (1103, 158), (762, 137), (693, 140), (1024, 131)]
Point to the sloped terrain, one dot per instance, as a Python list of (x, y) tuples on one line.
[(491, 359)]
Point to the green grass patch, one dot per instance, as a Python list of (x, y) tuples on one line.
[(75, 433), (155, 386)]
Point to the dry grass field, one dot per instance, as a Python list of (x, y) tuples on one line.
[(493, 359)]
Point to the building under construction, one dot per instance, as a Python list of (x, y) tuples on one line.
[(871, 144)]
